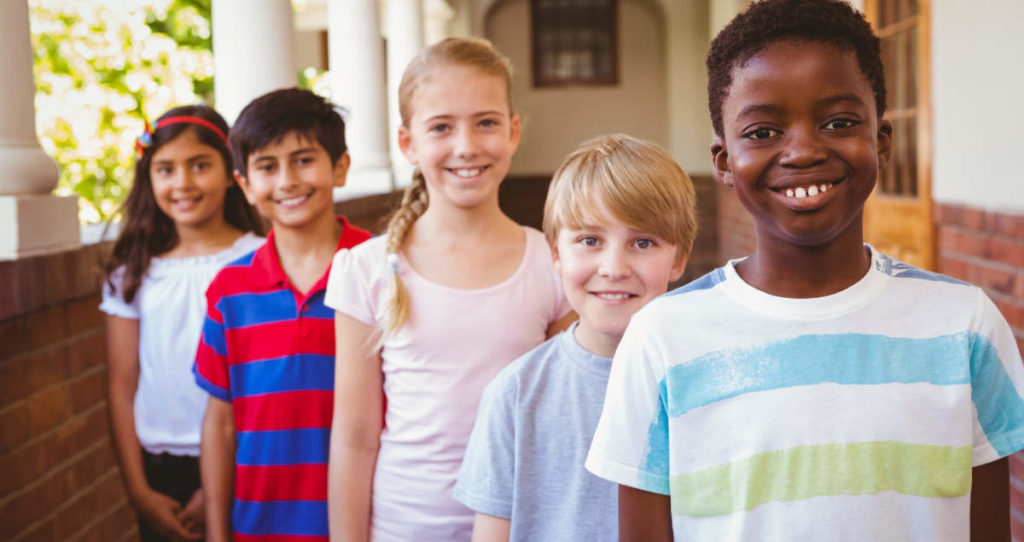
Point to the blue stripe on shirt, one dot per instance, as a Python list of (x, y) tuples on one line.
[(1000, 407), (307, 518), (250, 309), (283, 447), (808, 360), (297, 372)]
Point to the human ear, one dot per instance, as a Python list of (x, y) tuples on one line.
[(243, 183), (341, 169), (515, 132), (720, 160), (884, 142), (556, 261), (680, 264), (405, 144)]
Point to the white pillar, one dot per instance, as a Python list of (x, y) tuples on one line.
[(31, 220), (253, 51), (405, 39), (356, 57)]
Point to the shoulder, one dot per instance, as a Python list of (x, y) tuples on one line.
[(524, 371), (235, 274), (367, 254), (926, 290), (352, 235)]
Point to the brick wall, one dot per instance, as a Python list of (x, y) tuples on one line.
[(58, 477), (987, 248)]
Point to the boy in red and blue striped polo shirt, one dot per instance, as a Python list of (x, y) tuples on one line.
[(267, 350)]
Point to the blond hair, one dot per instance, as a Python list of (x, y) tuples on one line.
[(471, 52), (637, 181)]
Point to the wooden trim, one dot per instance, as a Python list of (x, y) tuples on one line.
[(535, 58)]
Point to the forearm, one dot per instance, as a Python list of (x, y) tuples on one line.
[(488, 528), (990, 502), (217, 470), (350, 491), (644, 516), (126, 442)]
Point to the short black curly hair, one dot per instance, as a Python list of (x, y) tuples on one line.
[(770, 21)]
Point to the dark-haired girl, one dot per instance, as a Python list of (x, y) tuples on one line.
[(184, 219)]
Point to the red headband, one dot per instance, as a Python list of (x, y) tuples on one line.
[(146, 139)]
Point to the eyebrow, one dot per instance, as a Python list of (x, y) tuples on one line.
[(193, 158), (296, 152), (446, 116), (840, 98), (770, 109)]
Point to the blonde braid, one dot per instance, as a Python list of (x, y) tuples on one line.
[(414, 203)]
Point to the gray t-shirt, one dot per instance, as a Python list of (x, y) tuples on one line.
[(525, 456)]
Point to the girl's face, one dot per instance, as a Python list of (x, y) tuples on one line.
[(189, 181), (461, 135)]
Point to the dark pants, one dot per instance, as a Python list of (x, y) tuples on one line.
[(174, 476)]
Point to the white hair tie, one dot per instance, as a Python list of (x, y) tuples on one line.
[(393, 262)]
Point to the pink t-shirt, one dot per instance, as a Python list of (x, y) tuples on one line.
[(435, 369)]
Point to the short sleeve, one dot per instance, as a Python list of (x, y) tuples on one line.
[(997, 380), (487, 477), (349, 289), (211, 366), (113, 297), (631, 444)]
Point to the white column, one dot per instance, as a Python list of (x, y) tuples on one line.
[(356, 56), (253, 51), (31, 220), (405, 39)]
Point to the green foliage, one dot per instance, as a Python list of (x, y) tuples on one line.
[(100, 67)]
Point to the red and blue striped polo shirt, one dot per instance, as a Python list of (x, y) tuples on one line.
[(269, 350)]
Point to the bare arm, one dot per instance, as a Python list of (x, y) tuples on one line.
[(990, 502), (217, 468), (355, 431), (644, 516), (562, 324), (158, 510), (487, 528)]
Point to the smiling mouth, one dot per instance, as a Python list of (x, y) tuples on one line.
[(805, 191), (469, 172), (613, 296), (185, 202), (291, 202)]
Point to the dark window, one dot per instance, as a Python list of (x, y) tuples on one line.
[(575, 42)]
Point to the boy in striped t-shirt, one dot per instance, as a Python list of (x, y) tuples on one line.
[(267, 350), (817, 389)]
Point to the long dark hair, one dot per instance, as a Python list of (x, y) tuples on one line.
[(145, 230)]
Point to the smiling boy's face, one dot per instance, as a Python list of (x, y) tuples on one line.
[(802, 143)]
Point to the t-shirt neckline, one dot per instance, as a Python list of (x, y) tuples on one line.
[(857, 295), (582, 357), (524, 261)]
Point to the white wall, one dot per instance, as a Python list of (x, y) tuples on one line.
[(556, 120), (977, 89), (690, 132)]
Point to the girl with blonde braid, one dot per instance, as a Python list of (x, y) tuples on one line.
[(431, 311)]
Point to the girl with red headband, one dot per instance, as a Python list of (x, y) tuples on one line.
[(183, 220)]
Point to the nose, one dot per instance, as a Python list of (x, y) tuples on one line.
[(182, 178), (614, 264), (804, 147), (467, 145), (287, 178)]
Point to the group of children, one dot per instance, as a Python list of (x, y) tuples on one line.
[(434, 383)]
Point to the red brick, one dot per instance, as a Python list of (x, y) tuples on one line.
[(14, 428), (30, 373), (89, 389), (954, 267), (12, 337), (118, 523), (81, 432), (89, 467), (45, 327), (41, 532), (48, 408), (1009, 225), (84, 314), (33, 505), (997, 279), (88, 505), (1006, 251), (1012, 311)]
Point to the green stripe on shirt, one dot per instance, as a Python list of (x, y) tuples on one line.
[(859, 468)]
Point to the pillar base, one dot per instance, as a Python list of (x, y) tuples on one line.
[(37, 224)]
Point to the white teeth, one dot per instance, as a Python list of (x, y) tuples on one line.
[(613, 296), (468, 172), (805, 191), (812, 190), (824, 187), (800, 192), (293, 201), (789, 192)]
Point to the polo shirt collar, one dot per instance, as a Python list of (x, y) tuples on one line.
[(271, 273)]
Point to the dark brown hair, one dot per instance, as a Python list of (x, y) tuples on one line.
[(145, 230)]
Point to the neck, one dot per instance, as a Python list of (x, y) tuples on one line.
[(480, 222), (787, 270), (205, 238), (312, 240), (595, 342)]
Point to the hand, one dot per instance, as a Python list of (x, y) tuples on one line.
[(161, 512), (193, 516)]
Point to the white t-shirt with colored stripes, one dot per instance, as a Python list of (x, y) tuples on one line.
[(856, 416)]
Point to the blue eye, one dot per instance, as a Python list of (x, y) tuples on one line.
[(589, 241), (439, 128), (644, 243), (488, 123)]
